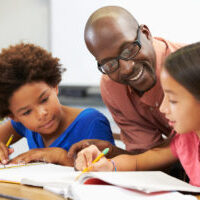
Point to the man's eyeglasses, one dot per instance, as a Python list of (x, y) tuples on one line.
[(129, 53)]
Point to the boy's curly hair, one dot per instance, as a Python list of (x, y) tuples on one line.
[(25, 63)]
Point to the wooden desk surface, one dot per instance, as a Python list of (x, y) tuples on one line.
[(27, 192)]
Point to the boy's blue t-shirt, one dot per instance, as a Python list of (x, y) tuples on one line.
[(89, 124)]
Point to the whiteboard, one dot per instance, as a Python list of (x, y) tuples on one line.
[(175, 20)]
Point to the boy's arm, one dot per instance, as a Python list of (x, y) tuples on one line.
[(54, 155)]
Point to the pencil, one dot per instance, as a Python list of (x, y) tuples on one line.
[(9, 140), (103, 153)]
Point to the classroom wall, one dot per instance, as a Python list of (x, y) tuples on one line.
[(176, 20), (58, 26), (25, 20)]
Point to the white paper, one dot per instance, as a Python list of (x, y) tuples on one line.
[(64, 177), (36, 173), (98, 192), (147, 181)]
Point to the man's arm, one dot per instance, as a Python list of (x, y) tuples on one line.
[(101, 144)]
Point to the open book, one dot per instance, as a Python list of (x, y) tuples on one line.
[(98, 192), (51, 175), (37, 174), (146, 181)]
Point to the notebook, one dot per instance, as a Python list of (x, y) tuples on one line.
[(98, 192), (146, 181), (46, 174), (36, 174)]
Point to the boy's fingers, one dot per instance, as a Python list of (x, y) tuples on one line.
[(10, 150), (3, 153)]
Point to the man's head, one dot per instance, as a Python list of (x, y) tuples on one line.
[(122, 48)]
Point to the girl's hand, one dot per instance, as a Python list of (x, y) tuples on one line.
[(54, 155), (86, 156), (4, 153)]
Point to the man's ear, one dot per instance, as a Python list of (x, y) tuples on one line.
[(145, 30)]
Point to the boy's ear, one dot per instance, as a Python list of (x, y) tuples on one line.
[(57, 89), (11, 116)]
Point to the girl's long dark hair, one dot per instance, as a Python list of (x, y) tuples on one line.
[(184, 66)]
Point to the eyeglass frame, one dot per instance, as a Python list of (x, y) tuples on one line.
[(136, 41)]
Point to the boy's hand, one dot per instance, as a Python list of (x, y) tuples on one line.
[(54, 155), (4, 153), (86, 156)]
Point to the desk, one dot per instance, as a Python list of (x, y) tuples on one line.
[(27, 192)]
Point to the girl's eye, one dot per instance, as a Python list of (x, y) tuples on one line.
[(172, 102), (44, 100), (27, 112)]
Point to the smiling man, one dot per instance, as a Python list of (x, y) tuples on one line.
[(130, 60)]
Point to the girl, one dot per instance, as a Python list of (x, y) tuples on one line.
[(180, 80), (29, 78)]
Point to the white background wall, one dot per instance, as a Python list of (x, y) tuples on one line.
[(58, 25), (24, 20), (176, 20)]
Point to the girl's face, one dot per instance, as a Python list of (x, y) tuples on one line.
[(179, 106), (37, 107)]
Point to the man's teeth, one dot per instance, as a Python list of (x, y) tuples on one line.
[(137, 77)]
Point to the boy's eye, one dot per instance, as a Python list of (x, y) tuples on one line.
[(27, 112), (45, 99)]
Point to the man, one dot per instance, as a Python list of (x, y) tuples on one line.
[(130, 60)]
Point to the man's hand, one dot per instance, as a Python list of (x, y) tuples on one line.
[(101, 144), (50, 155)]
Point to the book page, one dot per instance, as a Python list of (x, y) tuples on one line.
[(34, 171), (99, 192), (19, 165), (146, 181)]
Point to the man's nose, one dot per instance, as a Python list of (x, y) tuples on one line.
[(126, 67)]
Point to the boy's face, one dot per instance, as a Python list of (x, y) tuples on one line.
[(179, 106), (37, 107)]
